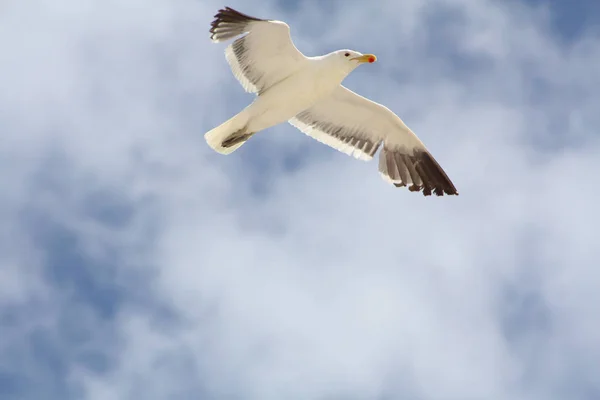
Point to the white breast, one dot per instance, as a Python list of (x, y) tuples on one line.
[(293, 95)]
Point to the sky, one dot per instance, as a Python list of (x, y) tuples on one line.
[(135, 262)]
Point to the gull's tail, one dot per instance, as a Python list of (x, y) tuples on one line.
[(230, 135)]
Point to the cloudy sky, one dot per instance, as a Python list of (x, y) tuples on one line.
[(135, 263)]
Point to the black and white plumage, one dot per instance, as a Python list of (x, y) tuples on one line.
[(307, 92), (262, 57)]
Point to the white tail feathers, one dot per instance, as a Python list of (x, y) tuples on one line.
[(216, 136)]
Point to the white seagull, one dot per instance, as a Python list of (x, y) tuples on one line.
[(307, 92)]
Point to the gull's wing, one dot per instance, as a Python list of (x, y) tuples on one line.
[(357, 126), (262, 57)]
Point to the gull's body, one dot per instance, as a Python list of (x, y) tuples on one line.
[(307, 92), (285, 99)]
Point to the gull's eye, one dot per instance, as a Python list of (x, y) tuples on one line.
[(347, 55)]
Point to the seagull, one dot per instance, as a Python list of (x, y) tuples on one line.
[(308, 93)]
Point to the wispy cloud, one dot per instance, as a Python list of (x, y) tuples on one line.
[(136, 263)]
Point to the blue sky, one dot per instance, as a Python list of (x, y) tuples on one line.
[(137, 263)]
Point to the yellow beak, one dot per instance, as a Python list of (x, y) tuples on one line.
[(366, 58)]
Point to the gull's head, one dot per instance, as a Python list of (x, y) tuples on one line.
[(351, 59)]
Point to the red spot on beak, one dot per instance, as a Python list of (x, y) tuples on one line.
[(371, 59)]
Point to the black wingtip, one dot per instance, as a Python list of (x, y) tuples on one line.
[(229, 23), (433, 176), (231, 15), (420, 166)]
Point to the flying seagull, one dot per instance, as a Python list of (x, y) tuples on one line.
[(307, 92)]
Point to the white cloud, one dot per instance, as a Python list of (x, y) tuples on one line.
[(328, 283)]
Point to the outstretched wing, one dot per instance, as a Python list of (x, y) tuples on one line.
[(262, 57), (357, 126)]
